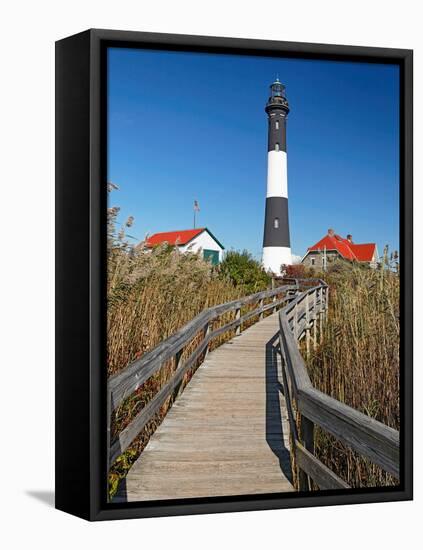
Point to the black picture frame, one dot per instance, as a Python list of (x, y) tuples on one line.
[(81, 125)]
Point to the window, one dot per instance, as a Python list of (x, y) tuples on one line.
[(313, 261), (277, 125), (276, 223), (276, 146)]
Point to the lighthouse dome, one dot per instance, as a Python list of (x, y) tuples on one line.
[(277, 99)]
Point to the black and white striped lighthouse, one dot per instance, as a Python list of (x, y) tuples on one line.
[(276, 243)]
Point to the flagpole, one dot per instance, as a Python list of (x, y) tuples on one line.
[(196, 209)]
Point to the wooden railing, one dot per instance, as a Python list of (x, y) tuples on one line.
[(303, 306), (197, 334), (307, 406)]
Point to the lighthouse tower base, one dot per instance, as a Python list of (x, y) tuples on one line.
[(276, 256)]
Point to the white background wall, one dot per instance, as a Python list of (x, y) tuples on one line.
[(27, 175)]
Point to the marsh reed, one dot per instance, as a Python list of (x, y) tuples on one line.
[(150, 295), (358, 361)]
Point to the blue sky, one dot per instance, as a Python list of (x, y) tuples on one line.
[(185, 126)]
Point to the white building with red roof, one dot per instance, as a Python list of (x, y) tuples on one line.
[(333, 247), (199, 241)]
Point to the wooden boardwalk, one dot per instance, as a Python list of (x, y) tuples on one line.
[(227, 434)]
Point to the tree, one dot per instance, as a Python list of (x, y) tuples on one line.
[(244, 271)]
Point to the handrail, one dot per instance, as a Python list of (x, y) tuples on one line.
[(301, 315), (123, 384), (140, 370), (367, 436)]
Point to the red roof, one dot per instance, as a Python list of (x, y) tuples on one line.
[(173, 237), (364, 252), (347, 249)]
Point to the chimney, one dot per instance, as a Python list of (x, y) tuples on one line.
[(349, 239), (331, 232)]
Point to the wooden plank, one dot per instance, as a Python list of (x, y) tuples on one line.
[(307, 436), (127, 435), (370, 438), (296, 366), (201, 488), (319, 473), (240, 320), (221, 438), (237, 318), (365, 435), (287, 395), (138, 372), (227, 412), (129, 380)]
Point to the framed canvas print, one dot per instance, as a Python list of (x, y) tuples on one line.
[(220, 347)]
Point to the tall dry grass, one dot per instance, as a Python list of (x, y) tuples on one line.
[(150, 295), (358, 361)]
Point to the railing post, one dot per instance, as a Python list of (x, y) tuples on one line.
[(274, 309), (261, 304), (108, 436), (307, 435), (178, 359), (321, 314), (238, 316), (302, 480), (207, 330), (295, 322), (315, 318), (326, 303), (307, 326)]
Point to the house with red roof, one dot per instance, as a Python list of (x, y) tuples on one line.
[(333, 247), (198, 241)]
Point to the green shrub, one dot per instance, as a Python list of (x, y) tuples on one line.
[(244, 271)]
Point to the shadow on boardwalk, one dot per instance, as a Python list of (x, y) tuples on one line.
[(275, 435)]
